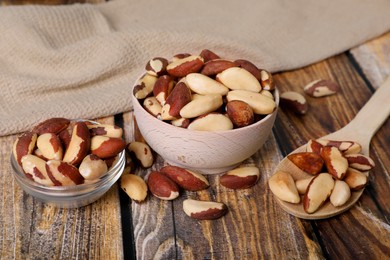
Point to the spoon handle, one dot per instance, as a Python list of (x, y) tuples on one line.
[(371, 117)]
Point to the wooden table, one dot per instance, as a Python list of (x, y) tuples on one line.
[(114, 227)]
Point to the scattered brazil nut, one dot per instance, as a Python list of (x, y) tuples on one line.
[(162, 187), (142, 153), (321, 87), (188, 180), (204, 210), (318, 191), (240, 178), (294, 101), (283, 186), (134, 186)]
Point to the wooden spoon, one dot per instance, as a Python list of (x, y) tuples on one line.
[(361, 129)]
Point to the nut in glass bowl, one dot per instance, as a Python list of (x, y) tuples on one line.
[(68, 195), (225, 144)]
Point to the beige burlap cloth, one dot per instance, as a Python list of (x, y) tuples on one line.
[(80, 61)]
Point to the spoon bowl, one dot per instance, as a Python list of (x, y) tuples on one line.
[(361, 129)]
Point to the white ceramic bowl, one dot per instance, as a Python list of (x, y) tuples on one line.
[(70, 196), (205, 152)]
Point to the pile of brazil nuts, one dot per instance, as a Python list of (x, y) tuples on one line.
[(61, 152), (206, 92), (168, 182), (334, 169)]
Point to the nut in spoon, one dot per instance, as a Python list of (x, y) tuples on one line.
[(361, 129)]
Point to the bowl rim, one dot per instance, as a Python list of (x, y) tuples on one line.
[(64, 191)]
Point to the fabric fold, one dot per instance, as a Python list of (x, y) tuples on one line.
[(81, 60)]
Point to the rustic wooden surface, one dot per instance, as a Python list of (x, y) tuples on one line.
[(255, 227)]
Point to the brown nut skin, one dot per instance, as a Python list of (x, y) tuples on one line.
[(186, 179), (162, 187), (240, 178), (346, 147), (162, 88), (314, 146), (335, 162), (318, 191), (294, 101), (50, 146), (52, 125), (321, 87), (249, 66), (179, 97), (142, 153), (240, 113), (213, 67), (266, 81), (63, 174), (23, 145), (106, 147), (144, 86), (106, 130), (79, 145), (182, 67), (311, 163), (204, 210), (360, 162), (156, 66), (35, 169), (355, 179), (208, 55)]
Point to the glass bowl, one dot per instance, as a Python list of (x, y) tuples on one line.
[(70, 196)]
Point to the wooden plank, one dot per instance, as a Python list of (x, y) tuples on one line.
[(29, 228)]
